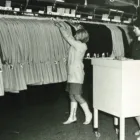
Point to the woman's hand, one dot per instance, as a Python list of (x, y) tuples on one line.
[(77, 26)]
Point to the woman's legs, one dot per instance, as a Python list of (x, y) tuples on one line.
[(79, 99), (72, 98), (75, 98), (84, 106), (73, 108)]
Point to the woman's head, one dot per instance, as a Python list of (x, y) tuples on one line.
[(136, 23), (136, 27), (82, 35)]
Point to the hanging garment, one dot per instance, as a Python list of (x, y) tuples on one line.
[(33, 52), (118, 46), (16, 58), (15, 71), (129, 33), (1, 80), (126, 43)]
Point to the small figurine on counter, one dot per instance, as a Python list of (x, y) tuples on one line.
[(107, 54), (94, 55), (98, 55), (88, 56), (103, 54)]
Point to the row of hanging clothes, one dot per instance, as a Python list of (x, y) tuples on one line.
[(110, 39), (33, 51)]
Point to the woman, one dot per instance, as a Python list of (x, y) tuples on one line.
[(135, 54), (75, 79)]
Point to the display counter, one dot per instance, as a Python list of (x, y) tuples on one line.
[(116, 89)]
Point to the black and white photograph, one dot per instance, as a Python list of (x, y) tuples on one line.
[(69, 69)]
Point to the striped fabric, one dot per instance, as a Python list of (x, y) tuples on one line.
[(127, 32), (1, 80), (33, 52), (118, 46)]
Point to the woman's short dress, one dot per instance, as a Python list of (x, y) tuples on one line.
[(74, 88)]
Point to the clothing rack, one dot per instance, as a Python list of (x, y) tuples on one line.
[(28, 41), (88, 12), (59, 19)]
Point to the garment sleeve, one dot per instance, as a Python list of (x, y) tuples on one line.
[(68, 37)]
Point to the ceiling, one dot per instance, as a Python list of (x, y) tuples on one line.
[(97, 2), (123, 5), (81, 2)]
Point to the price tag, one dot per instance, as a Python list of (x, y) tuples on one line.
[(41, 12), (113, 10), (67, 15), (116, 19), (60, 11), (2, 8), (89, 17), (71, 15), (8, 8), (8, 3), (105, 17), (73, 11), (16, 9), (49, 9), (67, 11), (78, 16), (36, 14), (29, 10), (55, 13), (126, 21), (120, 11)]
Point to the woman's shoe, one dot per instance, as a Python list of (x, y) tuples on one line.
[(72, 117), (69, 121), (137, 133), (88, 114), (88, 119)]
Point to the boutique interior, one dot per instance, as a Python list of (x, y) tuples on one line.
[(33, 99)]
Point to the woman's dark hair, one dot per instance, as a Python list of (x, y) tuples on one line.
[(82, 35), (136, 23)]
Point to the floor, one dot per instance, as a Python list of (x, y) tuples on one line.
[(38, 113)]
